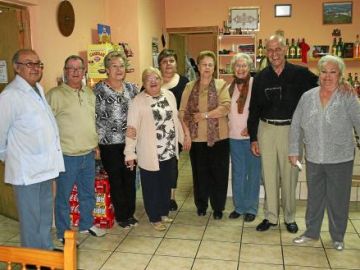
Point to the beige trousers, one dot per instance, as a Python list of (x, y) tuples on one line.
[(278, 174)]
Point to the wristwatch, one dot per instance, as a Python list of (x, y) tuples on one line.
[(206, 115)]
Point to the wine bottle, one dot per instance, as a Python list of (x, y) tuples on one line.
[(357, 47), (339, 48), (334, 47), (292, 51)]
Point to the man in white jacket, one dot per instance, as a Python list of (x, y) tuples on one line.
[(30, 148)]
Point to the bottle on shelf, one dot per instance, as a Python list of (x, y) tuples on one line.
[(292, 51), (334, 47), (350, 79), (288, 48), (339, 48), (357, 47), (298, 49), (260, 50)]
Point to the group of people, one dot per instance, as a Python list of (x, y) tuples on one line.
[(262, 123)]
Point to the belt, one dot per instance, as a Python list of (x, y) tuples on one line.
[(277, 122)]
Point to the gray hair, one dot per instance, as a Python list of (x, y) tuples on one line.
[(279, 38), (242, 56), (112, 55), (74, 57), (16, 56), (339, 62)]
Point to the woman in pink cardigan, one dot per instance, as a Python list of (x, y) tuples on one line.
[(153, 116)]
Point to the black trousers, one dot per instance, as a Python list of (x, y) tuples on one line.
[(156, 189), (122, 180), (210, 168)]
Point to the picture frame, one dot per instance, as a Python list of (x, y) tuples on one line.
[(337, 12), (283, 10), (246, 18)]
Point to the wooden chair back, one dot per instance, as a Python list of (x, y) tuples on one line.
[(13, 256)]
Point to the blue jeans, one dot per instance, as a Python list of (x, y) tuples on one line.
[(35, 208), (246, 173), (79, 170)]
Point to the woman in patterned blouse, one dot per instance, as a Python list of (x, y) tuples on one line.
[(112, 102), (154, 117)]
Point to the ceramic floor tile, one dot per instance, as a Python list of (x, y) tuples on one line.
[(225, 221), (178, 247), (347, 258), (126, 261), (108, 242), (315, 257), (261, 254), (182, 231), (224, 233), (167, 262), (251, 236), (146, 229), (206, 264), (219, 250), (351, 240), (356, 224), (190, 218), (259, 266), (304, 268), (287, 240), (139, 244), (92, 259)]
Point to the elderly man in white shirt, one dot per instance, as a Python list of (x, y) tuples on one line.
[(30, 148)]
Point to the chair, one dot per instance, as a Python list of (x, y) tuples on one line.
[(41, 258)]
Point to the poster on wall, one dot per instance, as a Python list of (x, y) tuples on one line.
[(104, 33), (3, 72)]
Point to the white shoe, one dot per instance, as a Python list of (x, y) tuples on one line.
[(302, 239), (95, 231), (338, 245), (166, 219)]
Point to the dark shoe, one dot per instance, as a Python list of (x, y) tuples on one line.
[(249, 217), (234, 215), (201, 212), (264, 225), (124, 224), (292, 227), (218, 215), (133, 222), (173, 205)]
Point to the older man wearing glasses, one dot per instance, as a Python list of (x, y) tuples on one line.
[(30, 148), (73, 105)]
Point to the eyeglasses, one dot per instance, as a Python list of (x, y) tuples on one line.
[(277, 51), (210, 65), (117, 66), (243, 66), (73, 69), (32, 64)]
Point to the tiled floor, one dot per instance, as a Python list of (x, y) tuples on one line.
[(193, 242)]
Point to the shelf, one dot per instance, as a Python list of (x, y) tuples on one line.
[(312, 59)]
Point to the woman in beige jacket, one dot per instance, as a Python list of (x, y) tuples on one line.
[(154, 118)]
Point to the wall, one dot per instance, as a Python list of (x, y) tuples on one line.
[(305, 22)]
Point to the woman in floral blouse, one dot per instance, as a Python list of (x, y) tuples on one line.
[(154, 117), (112, 102)]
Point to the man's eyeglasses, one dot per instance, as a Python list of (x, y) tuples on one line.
[(73, 69), (32, 64)]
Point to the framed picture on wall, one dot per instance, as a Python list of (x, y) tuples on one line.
[(283, 10), (246, 18), (337, 12)]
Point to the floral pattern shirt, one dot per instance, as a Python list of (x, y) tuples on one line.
[(165, 128), (111, 111)]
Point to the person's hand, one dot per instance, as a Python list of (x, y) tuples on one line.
[(130, 164), (198, 117), (293, 160), (244, 132), (97, 153), (255, 149), (131, 132), (187, 143)]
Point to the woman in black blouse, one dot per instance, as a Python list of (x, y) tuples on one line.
[(176, 83), (112, 101)]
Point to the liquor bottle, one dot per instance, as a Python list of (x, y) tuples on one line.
[(350, 79), (339, 48), (260, 50), (357, 47), (292, 51), (288, 48), (334, 47), (298, 49)]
